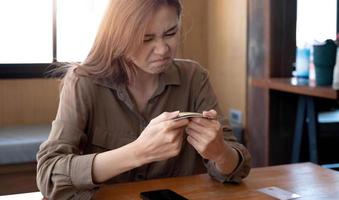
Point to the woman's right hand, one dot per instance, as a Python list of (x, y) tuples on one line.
[(162, 138)]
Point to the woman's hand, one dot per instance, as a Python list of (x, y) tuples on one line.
[(162, 138), (206, 136)]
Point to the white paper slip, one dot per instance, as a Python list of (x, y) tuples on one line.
[(278, 193), (25, 196)]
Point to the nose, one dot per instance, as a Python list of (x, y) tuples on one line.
[(161, 47)]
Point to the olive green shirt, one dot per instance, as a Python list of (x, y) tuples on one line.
[(97, 115)]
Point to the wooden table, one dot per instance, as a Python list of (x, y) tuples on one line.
[(310, 181), (306, 91)]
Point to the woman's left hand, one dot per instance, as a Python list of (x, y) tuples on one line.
[(206, 136)]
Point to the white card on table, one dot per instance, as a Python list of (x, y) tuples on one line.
[(279, 193)]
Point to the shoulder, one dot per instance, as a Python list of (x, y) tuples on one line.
[(190, 65), (75, 82), (190, 68)]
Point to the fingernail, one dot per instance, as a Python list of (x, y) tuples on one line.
[(177, 112)]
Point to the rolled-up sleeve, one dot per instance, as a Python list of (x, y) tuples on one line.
[(63, 172), (205, 99), (241, 171)]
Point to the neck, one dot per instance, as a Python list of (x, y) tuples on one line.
[(142, 87), (143, 80)]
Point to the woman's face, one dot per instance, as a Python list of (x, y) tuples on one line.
[(160, 42)]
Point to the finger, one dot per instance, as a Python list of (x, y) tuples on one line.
[(203, 122), (194, 143), (197, 135), (167, 127), (164, 117), (196, 127), (175, 124), (212, 114), (178, 135), (172, 136)]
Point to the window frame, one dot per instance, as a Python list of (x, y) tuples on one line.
[(25, 70), (34, 70)]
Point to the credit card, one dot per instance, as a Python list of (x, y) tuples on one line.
[(184, 115)]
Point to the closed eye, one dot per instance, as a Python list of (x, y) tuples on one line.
[(170, 34), (148, 40)]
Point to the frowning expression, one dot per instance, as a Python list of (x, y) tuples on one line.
[(160, 42)]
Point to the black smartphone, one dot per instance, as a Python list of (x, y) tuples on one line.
[(164, 194)]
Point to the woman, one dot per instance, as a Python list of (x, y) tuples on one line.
[(116, 117)]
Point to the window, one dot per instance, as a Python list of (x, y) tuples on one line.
[(316, 21), (30, 40), (26, 24), (77, 24)]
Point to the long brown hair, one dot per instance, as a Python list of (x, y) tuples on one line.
[(121, 31)]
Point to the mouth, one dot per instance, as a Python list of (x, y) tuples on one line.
[(161, 60)]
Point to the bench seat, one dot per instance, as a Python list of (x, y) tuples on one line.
[(19, 144)]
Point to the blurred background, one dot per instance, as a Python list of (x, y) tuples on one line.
[(250, 48)]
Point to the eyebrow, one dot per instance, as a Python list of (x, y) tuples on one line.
[(169, 30)]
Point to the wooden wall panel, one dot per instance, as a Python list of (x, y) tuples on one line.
[(194, 31), (283, 25), (271, 49), (257, 99), (227, 35), (28, 101)]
